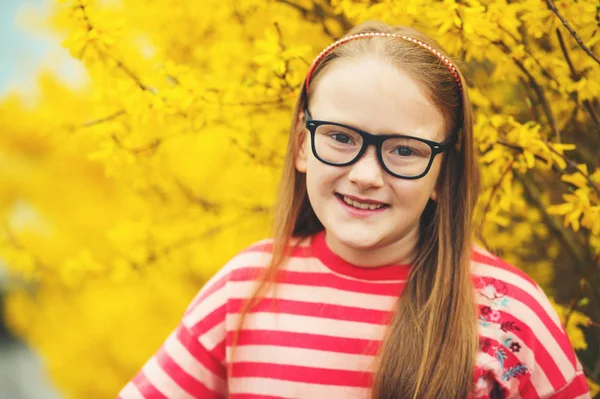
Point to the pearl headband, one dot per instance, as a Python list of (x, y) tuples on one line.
[(346, 39)]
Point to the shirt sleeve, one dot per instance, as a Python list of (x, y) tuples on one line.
[(191, 362), (565, 373), (523, 345)]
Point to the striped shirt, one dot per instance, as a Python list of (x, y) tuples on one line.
[(318, 334)]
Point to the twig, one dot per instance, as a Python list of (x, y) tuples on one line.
[(536, 87), (148, 148), (492, 193), (591, 323), (182, 242), (103, 119), (277, 101), (533, 111), (271, 160), (568, 161), (12, 240), (573, 164), (304, 11), (156, 254), (204, 204), (319, 14), (323, 14), (133, 76), (563, 47), (576, 77), (119, 63), (572, 118), (545, 72), (462, 33), (589, 52), (532, 193), (574, 304)]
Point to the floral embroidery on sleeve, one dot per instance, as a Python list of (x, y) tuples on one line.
[(498, 337)]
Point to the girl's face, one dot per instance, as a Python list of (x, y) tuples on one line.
[(376, 97)]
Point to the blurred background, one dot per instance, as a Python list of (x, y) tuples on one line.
[(141, 143), (23, 54)]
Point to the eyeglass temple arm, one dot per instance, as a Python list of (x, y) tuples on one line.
[(307, 114)]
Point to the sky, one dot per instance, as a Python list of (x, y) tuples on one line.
[(23, 51)]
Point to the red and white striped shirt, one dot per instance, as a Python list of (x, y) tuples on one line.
[(319, 337)]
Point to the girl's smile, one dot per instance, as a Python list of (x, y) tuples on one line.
[(361, 208)]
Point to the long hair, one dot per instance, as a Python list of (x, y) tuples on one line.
[(430, 345)]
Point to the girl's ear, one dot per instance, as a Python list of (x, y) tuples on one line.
[(434, 194), (301, 144), (439, 181)]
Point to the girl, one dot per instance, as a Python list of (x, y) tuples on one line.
[(371, 286)]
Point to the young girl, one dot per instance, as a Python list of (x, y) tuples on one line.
[(371, 286)]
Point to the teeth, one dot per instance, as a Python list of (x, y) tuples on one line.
[(360, 205)]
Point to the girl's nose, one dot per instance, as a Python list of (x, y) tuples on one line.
[(367, 172)]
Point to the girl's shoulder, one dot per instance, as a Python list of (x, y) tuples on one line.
[(498, 282), (523, 345), (257, 256), (239, 273)]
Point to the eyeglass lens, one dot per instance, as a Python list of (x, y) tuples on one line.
[(403, 156)]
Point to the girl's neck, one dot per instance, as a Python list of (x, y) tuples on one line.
[(399, 252)]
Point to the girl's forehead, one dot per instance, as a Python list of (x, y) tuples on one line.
[(375, 96)]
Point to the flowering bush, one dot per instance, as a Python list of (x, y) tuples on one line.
[(120, 199)]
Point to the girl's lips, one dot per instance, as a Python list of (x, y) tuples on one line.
[(360, 213), (362, 200)]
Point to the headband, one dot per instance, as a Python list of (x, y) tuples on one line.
[(346, 39)]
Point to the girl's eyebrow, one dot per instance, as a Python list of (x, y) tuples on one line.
[(352, 126), (392, 134), (374, 134)]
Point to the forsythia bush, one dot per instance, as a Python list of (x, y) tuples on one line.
[(117, 201)]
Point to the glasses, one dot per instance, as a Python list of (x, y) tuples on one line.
[(401, 156)]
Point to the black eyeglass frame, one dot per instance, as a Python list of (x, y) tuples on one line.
[(377, 141)]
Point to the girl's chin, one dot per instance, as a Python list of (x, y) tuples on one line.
[(360, 239)]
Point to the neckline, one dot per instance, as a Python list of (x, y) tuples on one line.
[(335, 263)]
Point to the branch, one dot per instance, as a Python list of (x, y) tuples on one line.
[(103, 119), (304, 11), (571, 118), (276, 101), (319, 14), (155, 255), (345, 22), (532, 193), (574, 305), (568, 161), (188, 193), (493, 192), (182, 242), (573, 164), (530, 54), (12, 240), (536, 87), (119, 63), (563, 47), (150, 147), (133, 76), (533, 111), (270, 160), (590, 323), (589, 52), (576, 77), (238, 220)]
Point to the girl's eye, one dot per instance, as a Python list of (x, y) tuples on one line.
[(405, 151), (342, 138)]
